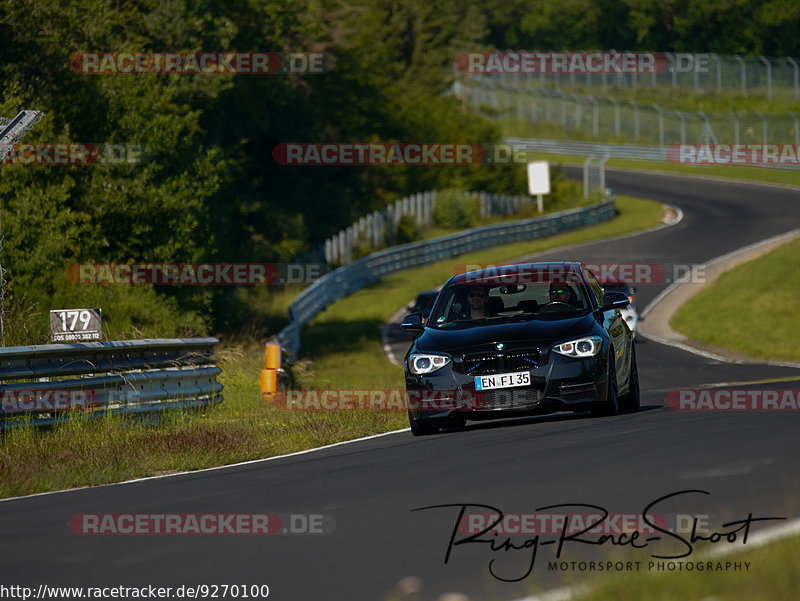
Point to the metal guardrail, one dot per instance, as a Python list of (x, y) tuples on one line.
[(602, 149), (126, 376), (345, 280), (614, 151)]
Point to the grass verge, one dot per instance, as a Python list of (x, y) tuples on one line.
[(771, 575), (342, 349), (751, 309)]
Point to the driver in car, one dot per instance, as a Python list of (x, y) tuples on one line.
[(562, 293)]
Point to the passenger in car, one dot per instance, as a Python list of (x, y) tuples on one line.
[(477, 305), (477, 296)]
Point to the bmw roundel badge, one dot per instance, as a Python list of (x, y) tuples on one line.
[(500, 346)]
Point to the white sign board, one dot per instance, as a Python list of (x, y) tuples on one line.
[(538, 178), (70, 325)]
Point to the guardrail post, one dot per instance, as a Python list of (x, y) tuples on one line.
[(735, 127), (548, 110), (683, 125), (616, 114), (796, 128), (660, 112), (743, 73), (563, 108), (717, 71), (595, 115), (586, 167), (768, 65), (671, 67), (708, 132), (635, 117), (795, 77), (763, 127), (578, 111), (518, 94), (602, 168)]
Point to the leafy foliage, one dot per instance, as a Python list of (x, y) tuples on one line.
[(455, 209), (211, 190)]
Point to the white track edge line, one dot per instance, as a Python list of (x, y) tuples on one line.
[(210, 469), (694, 350)]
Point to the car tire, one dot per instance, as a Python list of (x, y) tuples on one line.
[(631, 401), (421, 427), (611, 405)]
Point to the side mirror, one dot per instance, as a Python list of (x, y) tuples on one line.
[(614, 300), (413, 322)]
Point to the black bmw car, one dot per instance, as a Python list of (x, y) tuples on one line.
[(519, 340)]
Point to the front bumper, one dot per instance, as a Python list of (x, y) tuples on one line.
[(558, 384)]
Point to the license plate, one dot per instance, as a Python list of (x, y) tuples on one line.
[(518, 378)]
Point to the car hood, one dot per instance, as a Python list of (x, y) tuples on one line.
[(535, 331)]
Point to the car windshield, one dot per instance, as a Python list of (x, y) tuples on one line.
[(469, 302)]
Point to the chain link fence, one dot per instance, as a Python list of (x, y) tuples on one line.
[(775, 78), (609, 118)]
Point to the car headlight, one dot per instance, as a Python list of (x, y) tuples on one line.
[(422, 363), (580, 347)]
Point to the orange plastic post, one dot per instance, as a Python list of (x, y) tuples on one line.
[(268, 379), (272, 356)]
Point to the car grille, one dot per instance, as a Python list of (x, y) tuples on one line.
[(481, 364), (512, 398)]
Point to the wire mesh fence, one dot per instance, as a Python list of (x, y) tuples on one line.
[(605, 117), (774, 78)]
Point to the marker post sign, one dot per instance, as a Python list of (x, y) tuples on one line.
[(76, 325), (539, 181)]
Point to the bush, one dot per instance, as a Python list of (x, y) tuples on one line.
[(129, 312), (456, 210), (407, 230)]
